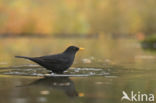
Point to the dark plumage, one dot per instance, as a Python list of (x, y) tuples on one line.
[(56, 63)]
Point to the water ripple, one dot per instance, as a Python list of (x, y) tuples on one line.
[(73, 72)]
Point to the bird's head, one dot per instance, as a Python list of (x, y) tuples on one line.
[(72, 49)]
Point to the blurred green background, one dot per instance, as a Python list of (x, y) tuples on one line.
[(77, 17), (114, 33)]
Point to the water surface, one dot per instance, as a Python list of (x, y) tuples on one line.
[(99, 74)]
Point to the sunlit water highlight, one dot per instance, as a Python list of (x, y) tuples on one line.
[(35, 70)]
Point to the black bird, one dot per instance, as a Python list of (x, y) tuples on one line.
[(56, 63)]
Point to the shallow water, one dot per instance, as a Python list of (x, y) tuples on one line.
[(99, 74)]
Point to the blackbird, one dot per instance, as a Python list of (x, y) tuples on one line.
[(57, 63)]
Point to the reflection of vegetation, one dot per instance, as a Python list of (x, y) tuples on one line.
[(77, 17), (103, 50)]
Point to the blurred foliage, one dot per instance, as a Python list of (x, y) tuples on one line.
[(149, 43), (77, 17), (150, 39)]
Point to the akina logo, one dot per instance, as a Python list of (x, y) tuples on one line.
[(137, 96)]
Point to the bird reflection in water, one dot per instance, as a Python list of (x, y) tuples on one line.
[(60, 83)]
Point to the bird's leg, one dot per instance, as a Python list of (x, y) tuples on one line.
[(52, 73), (60, 72), (49, 72)]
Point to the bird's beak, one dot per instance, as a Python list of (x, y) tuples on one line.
[(81, 48)]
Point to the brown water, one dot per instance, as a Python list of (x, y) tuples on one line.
[(99, 74)]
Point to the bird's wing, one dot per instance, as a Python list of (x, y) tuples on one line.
[(53, 60)]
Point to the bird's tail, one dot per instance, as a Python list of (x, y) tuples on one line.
[(23, 57)]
